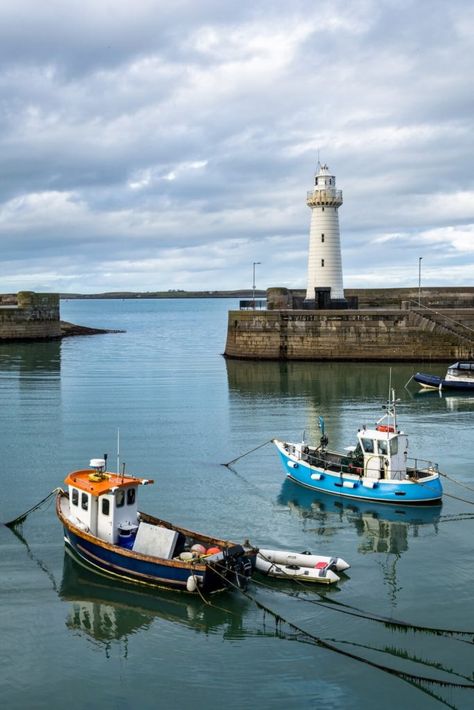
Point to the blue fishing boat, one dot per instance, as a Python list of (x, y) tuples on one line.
[(377, 468), (105, 530), (459, 376)]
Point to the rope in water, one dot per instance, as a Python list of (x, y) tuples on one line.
[(328, 645), (247, 453), (454, 480), (21, 518), (355, 611)]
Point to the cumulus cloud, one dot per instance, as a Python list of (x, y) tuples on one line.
[(161, 145)]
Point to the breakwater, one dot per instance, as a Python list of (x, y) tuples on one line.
[(29, 316), (404, 334)]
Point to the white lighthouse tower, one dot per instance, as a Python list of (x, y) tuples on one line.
[(324, 260)]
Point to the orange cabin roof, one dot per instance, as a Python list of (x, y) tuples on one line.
[(98, 484)]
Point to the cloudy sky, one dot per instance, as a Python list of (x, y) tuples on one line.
[(169, 144)]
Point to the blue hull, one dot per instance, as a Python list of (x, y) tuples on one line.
[(127, 567), (315, 502), (393, 492), (438, 383)]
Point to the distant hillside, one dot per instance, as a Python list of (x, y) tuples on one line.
[(178, 293)]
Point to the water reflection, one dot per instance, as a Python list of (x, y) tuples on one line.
[(38, 358), (107, 611), (324, 380), (455, 402), (380, 528)]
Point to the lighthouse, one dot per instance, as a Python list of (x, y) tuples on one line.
[(324, 260)]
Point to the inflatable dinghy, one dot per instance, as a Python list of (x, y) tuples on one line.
[(302, 566)]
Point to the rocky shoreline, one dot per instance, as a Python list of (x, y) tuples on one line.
[(71, 329)]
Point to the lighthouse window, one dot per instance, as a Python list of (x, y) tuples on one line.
[(105, 506), (131, 496), (84, 501), (120, 498), (322, 262), (322, 237)]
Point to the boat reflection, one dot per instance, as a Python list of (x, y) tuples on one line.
[(454, 401), (107, 611), (382, 528)]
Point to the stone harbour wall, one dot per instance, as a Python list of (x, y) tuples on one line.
[(29, 316), (382, 334)]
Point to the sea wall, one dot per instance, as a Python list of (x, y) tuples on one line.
[(29, 316), (382, 334), (431, 297)]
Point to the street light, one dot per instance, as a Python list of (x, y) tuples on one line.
[(253, 282), (419, 281)]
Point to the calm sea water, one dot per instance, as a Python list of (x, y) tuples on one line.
[(69, 638)]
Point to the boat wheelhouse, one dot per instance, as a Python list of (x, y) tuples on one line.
[(104, 529), (377, 468)]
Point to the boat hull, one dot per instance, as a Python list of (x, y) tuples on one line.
[(231, 568), (435, 382), (406, 492)]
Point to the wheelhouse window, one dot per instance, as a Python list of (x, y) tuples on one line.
[(130, 496), (120, 498), (368, 445), (394, 446), (75, 496), (105, 506), (84, 501), (383, 447)]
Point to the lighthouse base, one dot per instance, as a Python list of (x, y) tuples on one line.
[(323, 301)]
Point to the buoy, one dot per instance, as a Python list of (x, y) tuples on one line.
[(213, 550), (186, 556), (200, 549), (191, 584)]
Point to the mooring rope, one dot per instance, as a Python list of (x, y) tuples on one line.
[(463, 500), (328, 645), (400, 653), (21, 518), (229, 463), (360, 613), (36, 559), (454, 480)]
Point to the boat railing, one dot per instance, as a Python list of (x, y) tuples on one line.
[(417, 466), (327, 461), (332, 462)]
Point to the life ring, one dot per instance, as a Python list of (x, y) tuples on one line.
[(97, 477), (386, 427)]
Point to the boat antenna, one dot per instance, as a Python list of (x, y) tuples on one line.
[(105, 459), (123, 470), (118, 448)]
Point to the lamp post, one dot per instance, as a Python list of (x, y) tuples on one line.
[(253, 282), (419, 281)]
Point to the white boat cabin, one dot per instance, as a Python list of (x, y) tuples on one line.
[(384, 451), (461, 372), (102, 503)]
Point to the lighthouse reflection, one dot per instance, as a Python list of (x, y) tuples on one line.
[(380, 528), (107, 612)]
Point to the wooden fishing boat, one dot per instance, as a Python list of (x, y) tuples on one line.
[(459, 376), (103, 527), (376, 469)]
